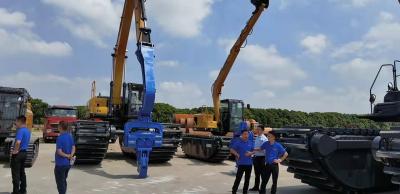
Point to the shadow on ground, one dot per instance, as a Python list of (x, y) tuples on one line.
[(4, 162), (99, 171), (198, 162)]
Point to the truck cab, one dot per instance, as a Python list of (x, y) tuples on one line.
[(55, 114)]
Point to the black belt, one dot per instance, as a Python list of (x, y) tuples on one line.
[(22, 151)]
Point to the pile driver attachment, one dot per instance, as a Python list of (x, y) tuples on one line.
[(142, 134)]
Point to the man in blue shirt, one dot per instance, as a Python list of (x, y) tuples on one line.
[(242, 150), (65, 150), (274, 155), (259, 156), (18, 156)]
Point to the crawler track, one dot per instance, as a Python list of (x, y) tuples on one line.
[(334, 159), (211, 149), (91, 139)]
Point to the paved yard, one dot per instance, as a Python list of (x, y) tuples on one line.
[(117, 174)]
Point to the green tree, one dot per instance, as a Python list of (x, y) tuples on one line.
[(163, 112), (39, 108), (83, 112)]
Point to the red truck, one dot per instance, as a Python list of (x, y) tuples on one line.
[(55, 114)]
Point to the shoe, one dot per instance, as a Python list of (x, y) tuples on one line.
[(254, 189)]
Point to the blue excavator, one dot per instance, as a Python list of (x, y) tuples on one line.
[(126, 113)]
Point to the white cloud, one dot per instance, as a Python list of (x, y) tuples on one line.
[(311, 89), (13, 19), (55, 89), (264, 94), (91, 20), (96, 20), (315, 44), (180, 94), (168, 63), (17, 37), (213, 74), (180, 18), (356, 69), (363, 57), (347, 99), (381, 40), (18, 43), (269, 67), (355, 3)]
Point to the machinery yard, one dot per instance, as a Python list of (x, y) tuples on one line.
[(179, 176), (144, 132)]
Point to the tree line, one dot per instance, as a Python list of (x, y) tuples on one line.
[(275, 118)]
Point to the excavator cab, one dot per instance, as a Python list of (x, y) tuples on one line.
[(389, 109), (133, 99), (232, 112)]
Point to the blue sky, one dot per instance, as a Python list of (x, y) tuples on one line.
[(307, 55)]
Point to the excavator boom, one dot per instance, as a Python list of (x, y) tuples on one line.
[(131, 8), (234, 52)]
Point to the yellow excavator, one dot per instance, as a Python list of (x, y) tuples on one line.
[(128, 107), (16, 102), (211, 134)]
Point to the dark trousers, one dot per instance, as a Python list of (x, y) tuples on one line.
[(61, 174), (18, 172), (266, 174), (242, 169), (258, 163)]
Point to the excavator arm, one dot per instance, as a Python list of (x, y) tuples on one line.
[(119, 55), (140, 133), (131, 8), (234, 52)]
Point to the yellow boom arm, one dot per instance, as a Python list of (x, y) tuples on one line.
[(223, 74), (119, 56)]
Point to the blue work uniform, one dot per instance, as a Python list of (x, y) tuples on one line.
[(272, 152), (65, 142), (23, 135), (242, 147), (18, 160), (244, 163)]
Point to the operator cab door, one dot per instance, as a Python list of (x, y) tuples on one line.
[(231, 115)]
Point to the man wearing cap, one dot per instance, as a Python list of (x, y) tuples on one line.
[(274, 155), (242, 150), (259, 156)]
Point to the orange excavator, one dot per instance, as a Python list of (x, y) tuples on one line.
[(208, 135)]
